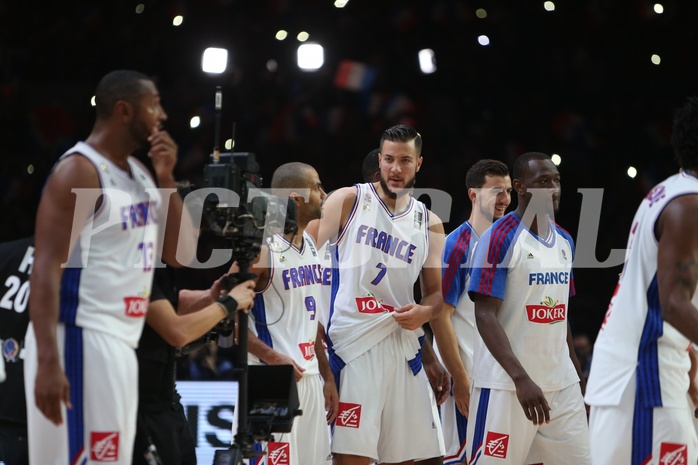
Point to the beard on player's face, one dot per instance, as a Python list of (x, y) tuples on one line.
[(408, 184)]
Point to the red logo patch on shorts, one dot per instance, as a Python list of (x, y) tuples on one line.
[(136, 307), (279, 453), (349, 415), (673, 454), (496, 444), (104, 447)]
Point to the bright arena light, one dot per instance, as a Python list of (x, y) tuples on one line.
[(281, 35), (139, 8), (481, 13), (215, 60), (341, 3), (93, 101), (194, 122), (427, 63), (177, 20), (632, 172), (30, 169), (302, 36), (229, 144), (549, 6), (311, 56), (555, 158), (483, 40), (658, 8), (272, 65), (656, 59)]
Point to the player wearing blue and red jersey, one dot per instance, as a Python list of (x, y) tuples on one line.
[(489, 191), (96, 245), (521, 282), (640, 371)]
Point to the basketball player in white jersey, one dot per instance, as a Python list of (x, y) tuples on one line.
[(284, 327), (526, 405), (489, 191), (438, 376), (384, 241), (640, 370), (92, 277)]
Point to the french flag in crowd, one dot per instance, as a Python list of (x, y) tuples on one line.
[(352, 75)]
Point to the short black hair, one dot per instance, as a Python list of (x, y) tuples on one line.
[(402, 133), (477, 174), (291, 176), (521, 167), (684, 136), (118, 85), (370, 167)]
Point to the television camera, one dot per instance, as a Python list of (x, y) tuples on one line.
[(246, 221)]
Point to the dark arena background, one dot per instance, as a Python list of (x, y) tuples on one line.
[(595, 82)]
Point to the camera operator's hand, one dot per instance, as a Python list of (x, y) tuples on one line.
[(217, 290), (244, 294)]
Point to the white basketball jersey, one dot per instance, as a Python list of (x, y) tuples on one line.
[(106, 282), (458, 253), (633, 338), (533, 278), (285, 312), (378, 258)]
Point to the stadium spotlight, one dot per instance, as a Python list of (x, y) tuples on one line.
[(427, 62), (214, 60), (632, 172), (555, 158), (310, 56)]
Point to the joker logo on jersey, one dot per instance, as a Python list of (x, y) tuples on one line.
[(371, 305), (307, 350), (136, 306), (547, 312)]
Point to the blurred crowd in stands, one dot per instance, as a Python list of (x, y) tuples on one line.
[(577, 81)]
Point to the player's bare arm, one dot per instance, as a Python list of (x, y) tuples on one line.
[(530, 395), (575, 360), (255, 346), (677, 264), (692, 374), (438, 377), (335, 212), (448, 346), (413, 316), (179, 244), (58, 215), (329, 388), (440, 321)]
